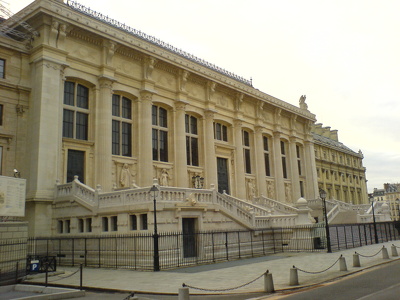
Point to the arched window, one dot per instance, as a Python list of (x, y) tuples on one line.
[(160, 133), (76, 111), (267, 156), (220, 132), (192, 141), (246, 152), (121, 126), (283, 155)]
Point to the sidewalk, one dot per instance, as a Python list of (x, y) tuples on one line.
[(228, 274)]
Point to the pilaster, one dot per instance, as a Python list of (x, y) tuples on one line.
[(260, 162), (294, 170), (103, 134), (180, 145), (210, 156), (279, 183), (145, 137), (240, 177), (311, 184)]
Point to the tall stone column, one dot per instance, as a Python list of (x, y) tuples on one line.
[(364, 192), (145, 161), (181, 173), (294, 170), (210, 156), (45, 129), (260, 162), (103, 134), (239, 159), (311, 191), (43, 160), (279, 183)]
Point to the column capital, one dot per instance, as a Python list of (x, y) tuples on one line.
[(258, 129), (238, 122), (146, 95), (209, 114), (106, 81), (277, 134), (180, 105)]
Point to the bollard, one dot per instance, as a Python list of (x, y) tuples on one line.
[(385, 254), (394, 251), (294, 278), (183, 293), (268, 283), (356, 260), (342, 263)]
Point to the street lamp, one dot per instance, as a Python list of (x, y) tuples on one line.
[(156, 264), (322, 194), (373, 218)]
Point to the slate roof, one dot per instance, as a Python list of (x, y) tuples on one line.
[(322, 140)]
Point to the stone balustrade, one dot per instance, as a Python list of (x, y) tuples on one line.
[(258, 215)]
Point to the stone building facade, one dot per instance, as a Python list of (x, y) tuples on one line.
[(94, 111), (339, 169)]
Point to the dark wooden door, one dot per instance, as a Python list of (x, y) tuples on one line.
[(76, 165), (223, 178), (189, 237)]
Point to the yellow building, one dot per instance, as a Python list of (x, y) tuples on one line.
[(93, 111), (340, 170)]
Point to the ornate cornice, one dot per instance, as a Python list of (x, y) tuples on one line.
[(89, 20)]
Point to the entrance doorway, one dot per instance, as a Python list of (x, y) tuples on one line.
[(189, 237), (76, 165), (223, 178)]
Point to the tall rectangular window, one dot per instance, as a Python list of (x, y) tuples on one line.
[(1, 160), (1, 114), (2, 68), (133, 221), (220, 132), (88, 222), (81, 226), (76, 111), (114, 223), (298, 156), (266, 156), (121, 126), (104, 223), (143, 222), (246, 152), (192, 144), (283, 154), (76, 165), (159, 133)]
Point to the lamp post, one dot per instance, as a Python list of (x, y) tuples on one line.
[(322, 194), (373, 218), (156, 263)]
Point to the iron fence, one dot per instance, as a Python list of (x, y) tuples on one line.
[(176, 249), (347, 236), (12, 260)]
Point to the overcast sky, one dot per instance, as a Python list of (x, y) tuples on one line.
[(344, 55)]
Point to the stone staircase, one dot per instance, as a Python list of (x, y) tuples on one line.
[(261, 213)]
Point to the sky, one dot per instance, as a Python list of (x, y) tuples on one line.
[(343, 55)]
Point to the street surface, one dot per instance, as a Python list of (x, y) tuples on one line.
[(377, 283)]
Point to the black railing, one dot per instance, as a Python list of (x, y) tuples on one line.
[(347, 236), (12, 260), (135, 251)]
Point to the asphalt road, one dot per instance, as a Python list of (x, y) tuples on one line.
[(377, 283)]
